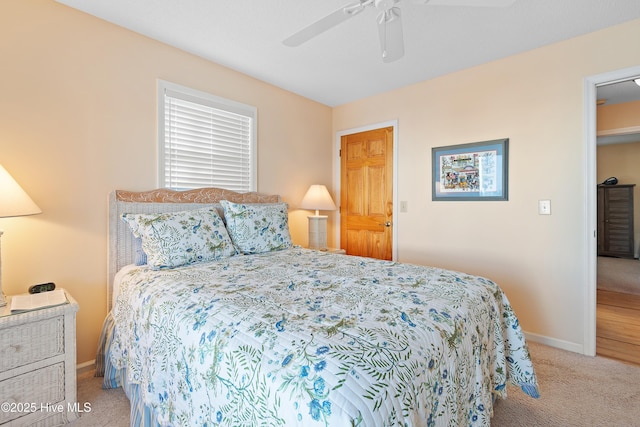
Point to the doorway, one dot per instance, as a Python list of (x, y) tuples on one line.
[(367, 190), (618, 269), (590, 182)]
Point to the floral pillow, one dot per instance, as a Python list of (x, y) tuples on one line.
[(257, 228), (179, 238)]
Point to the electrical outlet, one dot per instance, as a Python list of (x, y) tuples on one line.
[(544, 207)]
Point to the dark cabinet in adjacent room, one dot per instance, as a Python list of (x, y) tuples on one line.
[(615, 220)]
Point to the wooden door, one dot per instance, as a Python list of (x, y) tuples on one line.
[(366, 197)]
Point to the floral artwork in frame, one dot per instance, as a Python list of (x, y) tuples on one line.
[(475, 171)]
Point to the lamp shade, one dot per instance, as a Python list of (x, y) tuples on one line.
[(318, 198), (13, 199)]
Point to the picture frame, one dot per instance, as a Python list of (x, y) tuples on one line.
[(474, 171)]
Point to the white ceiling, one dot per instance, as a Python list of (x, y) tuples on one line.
[(344, 64), (619, 92)]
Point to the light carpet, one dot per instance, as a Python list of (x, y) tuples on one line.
[(619, 275), (575, 390)]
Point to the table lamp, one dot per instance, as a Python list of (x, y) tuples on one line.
[(318, 199), (13, 202)]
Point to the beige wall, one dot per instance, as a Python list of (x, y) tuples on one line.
[(623, 162), (78, 119), (536, 100)]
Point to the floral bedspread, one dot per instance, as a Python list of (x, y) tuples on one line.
[(300, 337)]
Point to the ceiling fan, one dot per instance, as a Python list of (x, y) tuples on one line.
[(389, 22)]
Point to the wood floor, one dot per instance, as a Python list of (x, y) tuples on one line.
[(618, 326)]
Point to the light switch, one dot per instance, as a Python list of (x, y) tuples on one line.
[(404, 206), (544, 207)]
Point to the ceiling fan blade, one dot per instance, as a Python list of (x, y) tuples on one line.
[(469, 3), (390, 31), (348, 11)]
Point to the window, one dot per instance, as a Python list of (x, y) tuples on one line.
[(204, 140)]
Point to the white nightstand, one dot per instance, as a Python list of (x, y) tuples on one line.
[(38, 366), (330, 250), (336, 251)]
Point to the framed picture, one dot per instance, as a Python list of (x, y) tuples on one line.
[(476, 171)]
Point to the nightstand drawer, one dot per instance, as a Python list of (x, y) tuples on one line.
[(33, 392), (31, 342)]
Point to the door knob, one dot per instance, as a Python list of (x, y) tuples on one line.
[(386, 224)]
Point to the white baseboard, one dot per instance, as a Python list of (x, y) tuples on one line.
[(554, 342), (85, 366)]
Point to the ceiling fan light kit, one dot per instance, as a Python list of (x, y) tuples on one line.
[(390, 31), (389, 22)]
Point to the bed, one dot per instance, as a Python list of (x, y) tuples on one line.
[(239, 327)]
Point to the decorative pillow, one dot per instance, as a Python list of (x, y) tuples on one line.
[(259, 227), (179, 238)]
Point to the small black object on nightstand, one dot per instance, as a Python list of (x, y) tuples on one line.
[(43, 287)]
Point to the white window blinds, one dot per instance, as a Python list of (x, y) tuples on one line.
[(205, 141)]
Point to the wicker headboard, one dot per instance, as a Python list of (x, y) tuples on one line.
[(121, 241)]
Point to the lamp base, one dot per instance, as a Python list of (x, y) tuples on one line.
[(318, 232), (3, 300)]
